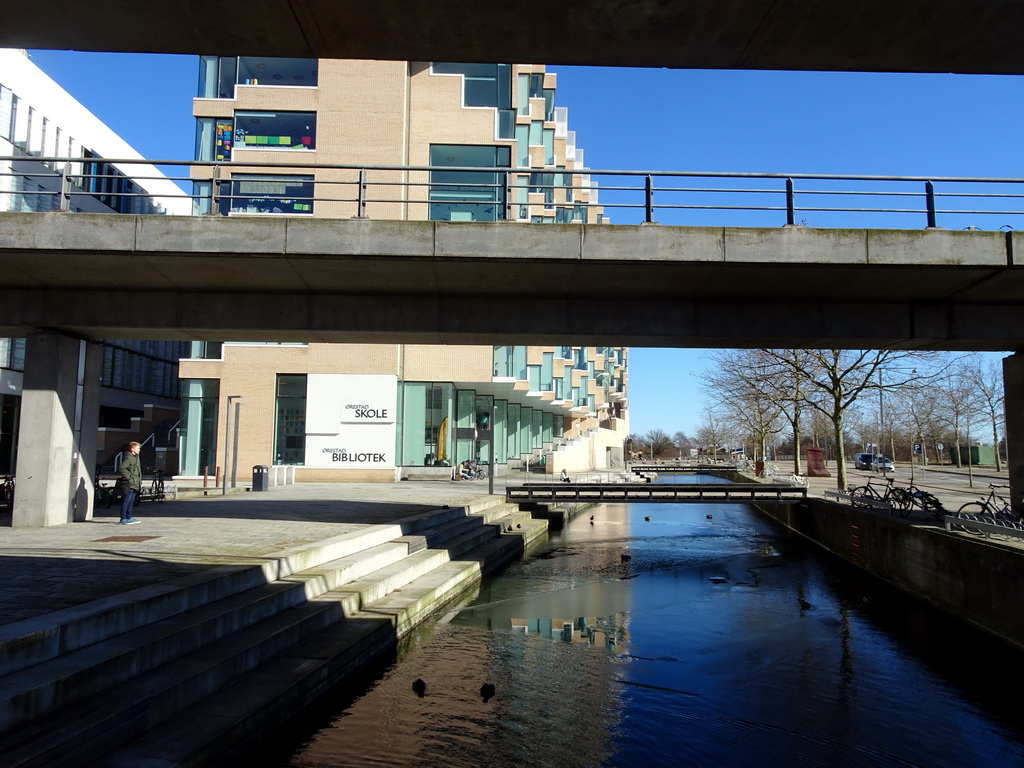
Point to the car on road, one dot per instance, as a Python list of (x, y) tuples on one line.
[(872, 461)]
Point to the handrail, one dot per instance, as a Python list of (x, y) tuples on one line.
[(360, 187), (152, 437)]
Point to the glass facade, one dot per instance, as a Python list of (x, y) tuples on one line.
[(290, 422), (143, 366), (484, 408), (426, 428), (500, 427), (525, 425), (198, 427), (440, 425), (465, 440), (512, 431)]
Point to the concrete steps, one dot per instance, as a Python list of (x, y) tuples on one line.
[(85, 682)]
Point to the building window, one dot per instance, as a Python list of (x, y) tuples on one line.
[(275, 130), (500, 428), (268, 194), (198, 426), (485, 85), (214, 137), (580, 359), (12, 354), (543, 183), (484, 411), (218, 75), (514, 413), (290, 431), (510, 362), (10, 406), (547, 372), (7, 109), (462, 195), (106, 184), (263, 70), (428, 429)]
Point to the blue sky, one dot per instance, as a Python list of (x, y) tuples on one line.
[(672, 120)]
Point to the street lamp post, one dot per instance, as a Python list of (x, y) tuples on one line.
[(231, 453)]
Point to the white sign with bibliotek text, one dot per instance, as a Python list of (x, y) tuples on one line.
[(351, 420)]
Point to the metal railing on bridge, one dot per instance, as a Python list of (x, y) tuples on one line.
[(692, 493), (668, 468), (561, 195)]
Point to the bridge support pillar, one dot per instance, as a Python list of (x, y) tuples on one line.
[(57, 433), (1013, 388)]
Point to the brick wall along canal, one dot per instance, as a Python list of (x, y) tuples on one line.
[(718, 642)]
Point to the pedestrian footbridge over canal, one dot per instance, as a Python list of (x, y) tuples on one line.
[(660, 493)]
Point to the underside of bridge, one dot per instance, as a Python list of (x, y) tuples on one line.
[(309, 280), (965, 36)]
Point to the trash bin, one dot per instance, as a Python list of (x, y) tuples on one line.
[(260, 477)]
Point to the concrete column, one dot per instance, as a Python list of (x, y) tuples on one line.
[(1013, 388), (57, 431)]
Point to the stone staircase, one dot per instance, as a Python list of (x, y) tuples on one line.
[(191, 672)]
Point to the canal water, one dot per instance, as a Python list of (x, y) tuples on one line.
[(678, 635)]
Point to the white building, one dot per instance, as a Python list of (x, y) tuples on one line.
[(54, 151)]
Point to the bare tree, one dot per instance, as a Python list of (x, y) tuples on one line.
[(658, 443), (742, 388), (712, 432), (919, 408), (787, 386), (682, 442), (835, 378), (988, 378), (959, 407)]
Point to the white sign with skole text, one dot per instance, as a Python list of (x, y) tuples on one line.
[(350, 420)]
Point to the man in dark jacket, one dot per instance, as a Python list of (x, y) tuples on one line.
[(131, 482)]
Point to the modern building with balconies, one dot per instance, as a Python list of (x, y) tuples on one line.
[(394, 140)]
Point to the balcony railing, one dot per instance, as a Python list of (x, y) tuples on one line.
[(667, 197)]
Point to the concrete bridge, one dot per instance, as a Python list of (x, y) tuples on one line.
[(331, 280), (966, 36)]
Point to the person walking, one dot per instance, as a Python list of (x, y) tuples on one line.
[(131, 482)]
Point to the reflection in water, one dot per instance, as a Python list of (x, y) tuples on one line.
[(720, 642), (607, 632)]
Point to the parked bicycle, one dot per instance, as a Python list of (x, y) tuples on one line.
[(906, 500), (104, 495), (865, 495), (155, 490), (994, 510)]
